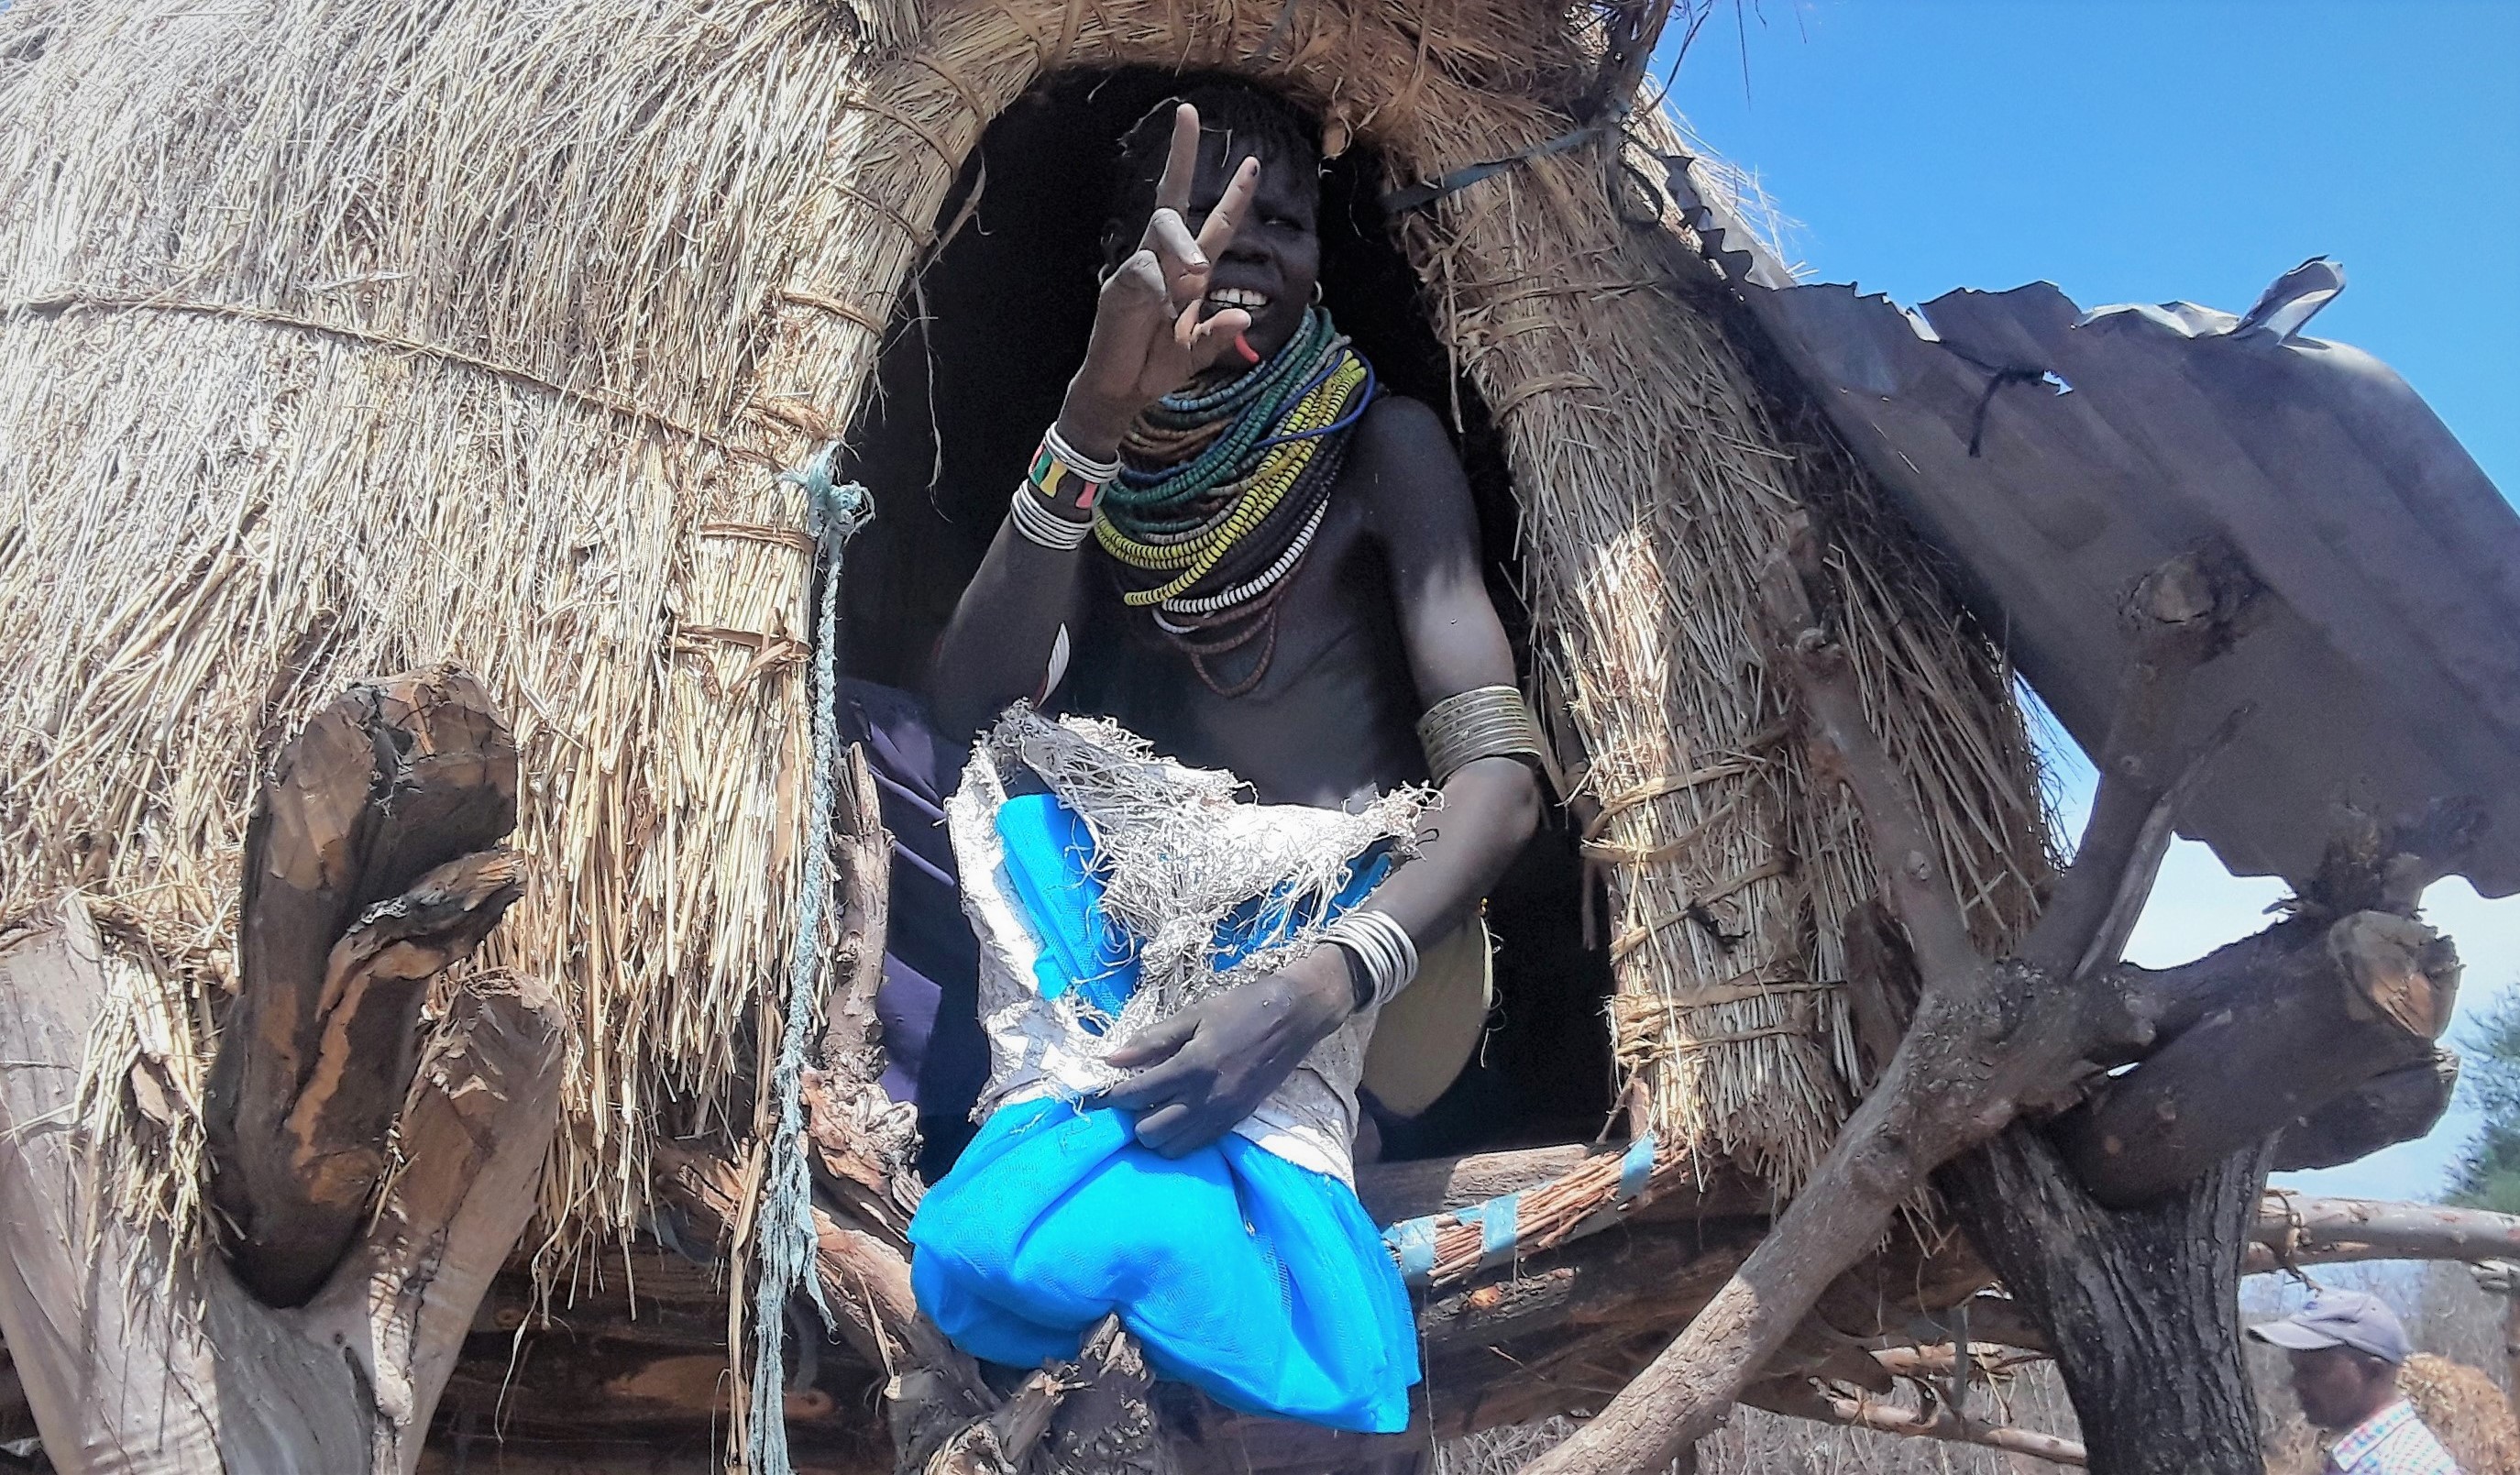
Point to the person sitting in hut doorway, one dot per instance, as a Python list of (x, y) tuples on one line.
[(1244, 573), (2346, 1348)]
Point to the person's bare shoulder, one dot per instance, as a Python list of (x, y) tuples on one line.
[(1413, 478)]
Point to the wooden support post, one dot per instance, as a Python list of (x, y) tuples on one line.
[(367, 871), (139, 1360), (366, 877)]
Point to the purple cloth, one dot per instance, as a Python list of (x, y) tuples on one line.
[(936, 1055)]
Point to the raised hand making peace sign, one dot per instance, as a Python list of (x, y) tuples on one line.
[(1152, 329)]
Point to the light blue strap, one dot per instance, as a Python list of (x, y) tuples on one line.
[(1413, 1242), (1498, 1220), (1636, 1166)]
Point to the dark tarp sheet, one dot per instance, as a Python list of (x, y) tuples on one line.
[(2057, 456)]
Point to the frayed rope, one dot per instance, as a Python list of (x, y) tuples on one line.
[(785, 1232)]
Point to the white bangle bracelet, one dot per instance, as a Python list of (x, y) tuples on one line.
[(1382, 946), (1040, 526), (1103, 471)]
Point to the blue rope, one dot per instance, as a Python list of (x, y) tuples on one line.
[(784, 1240)]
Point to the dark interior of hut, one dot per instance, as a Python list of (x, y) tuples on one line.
[(974, 363)]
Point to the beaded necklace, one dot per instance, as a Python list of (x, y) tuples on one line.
[(1220, 493)]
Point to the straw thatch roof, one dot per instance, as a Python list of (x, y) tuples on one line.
[(342, 339)]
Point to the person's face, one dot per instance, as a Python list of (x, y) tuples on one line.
[(2338, 1388), (1270, 266)]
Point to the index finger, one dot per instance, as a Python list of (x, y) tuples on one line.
[(1181, 164)]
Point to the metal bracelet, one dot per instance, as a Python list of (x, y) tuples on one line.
[(1381, 945), (1484, 722), (1041, 527)]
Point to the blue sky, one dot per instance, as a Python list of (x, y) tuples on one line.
[(2160, 149)]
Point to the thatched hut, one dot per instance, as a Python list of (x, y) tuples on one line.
[(348, 339)]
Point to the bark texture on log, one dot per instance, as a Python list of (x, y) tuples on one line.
[(2142, 1306), (138, 1363), (2293, 1230), (2398, 1106), (2302, 1013), (366, 872)]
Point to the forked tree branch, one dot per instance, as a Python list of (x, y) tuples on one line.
[(2181, 616), (1984, 1040), (1986, 1043)]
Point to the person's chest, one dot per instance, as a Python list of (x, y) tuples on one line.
[(1311, 705)]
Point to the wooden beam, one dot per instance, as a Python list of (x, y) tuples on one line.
[(365, 874), (1394, 1191), (137, 1361), (2360, 996), (2293, 1230)]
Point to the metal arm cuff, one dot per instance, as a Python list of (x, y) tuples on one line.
[(1484, 722)]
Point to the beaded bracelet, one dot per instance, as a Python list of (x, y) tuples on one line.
[(1384, 949), (1066, 480)]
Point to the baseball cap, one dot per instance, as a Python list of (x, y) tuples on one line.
[(2339, 1318)]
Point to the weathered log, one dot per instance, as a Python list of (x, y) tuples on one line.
[(2398, 1106), (2293, 1230), (140, 1362), (2316, 1008), (563, 1385), (1394, 1191), (1806, 1401), (407, 777)]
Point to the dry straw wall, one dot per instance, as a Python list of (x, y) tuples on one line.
[(345, 338)]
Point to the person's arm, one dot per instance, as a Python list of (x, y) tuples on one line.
[(1208, 1067), (1149, 340), (1429, 528)]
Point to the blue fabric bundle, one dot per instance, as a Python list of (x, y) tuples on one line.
[(1263, 1284)]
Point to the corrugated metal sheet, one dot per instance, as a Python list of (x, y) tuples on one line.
[(2055, 456)]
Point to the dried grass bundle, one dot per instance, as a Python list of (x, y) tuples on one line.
[(340, 339), (345, 338)]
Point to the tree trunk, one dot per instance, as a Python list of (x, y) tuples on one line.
[(2142, 1306), (137, 1361), (370, 1177)]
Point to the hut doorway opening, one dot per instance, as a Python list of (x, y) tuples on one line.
[(974, 363)]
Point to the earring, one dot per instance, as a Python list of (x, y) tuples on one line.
[(1316, 293)]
